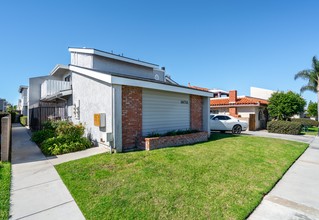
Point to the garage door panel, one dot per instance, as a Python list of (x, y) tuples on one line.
[(164, 111)]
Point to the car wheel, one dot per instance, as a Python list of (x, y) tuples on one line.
[(236, 129)]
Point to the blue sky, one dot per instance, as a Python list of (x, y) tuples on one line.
[(214, 44)]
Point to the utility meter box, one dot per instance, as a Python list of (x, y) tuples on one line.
[(100, 120), (109, 137)]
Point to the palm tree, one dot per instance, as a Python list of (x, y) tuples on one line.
[(312, 76)]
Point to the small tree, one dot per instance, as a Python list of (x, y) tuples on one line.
[(312, 109), (284, 105)]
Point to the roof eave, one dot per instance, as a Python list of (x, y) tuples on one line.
[(236, 105), (58, 68), (138, 82)]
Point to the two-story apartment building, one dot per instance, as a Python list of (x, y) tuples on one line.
[(3, 105), (23, 100), (118, 99)]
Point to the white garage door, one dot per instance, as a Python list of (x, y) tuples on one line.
[(164, 111)]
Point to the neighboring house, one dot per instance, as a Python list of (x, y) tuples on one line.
[(3, 105), (266, 94), (118, 99), (23, 101), (217, 93), (261, 93), (254, 110)]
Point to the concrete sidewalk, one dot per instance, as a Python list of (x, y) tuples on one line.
[(264, 133), (296, 195), (37, 191)]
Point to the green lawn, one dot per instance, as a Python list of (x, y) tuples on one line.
[(224, 178), (5, 180), (311, 131)]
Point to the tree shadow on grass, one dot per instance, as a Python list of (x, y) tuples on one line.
[(219, 135)]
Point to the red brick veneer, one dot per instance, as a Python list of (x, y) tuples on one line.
[(196, 110), (131, 116), (171, 141)]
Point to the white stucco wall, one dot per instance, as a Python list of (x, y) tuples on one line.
[(35, 88), (116, 66), (245, 111), (80, 59), (92, 97), (261, 93)]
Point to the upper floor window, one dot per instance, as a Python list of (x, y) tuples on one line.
[(67, 78)]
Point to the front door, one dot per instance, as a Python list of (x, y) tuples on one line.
[(252, 122)]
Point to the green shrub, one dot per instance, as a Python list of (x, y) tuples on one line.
[(284, 127), (63, 145), (70, 130), (51, 125), (23, 120), (61, 137), (42, 135), (13, 117), (172, 133), (306, 122)]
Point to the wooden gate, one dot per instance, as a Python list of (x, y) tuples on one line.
[(252, 122)]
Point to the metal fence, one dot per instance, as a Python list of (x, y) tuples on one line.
[(45, 112)]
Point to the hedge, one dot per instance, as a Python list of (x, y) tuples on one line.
[(306, 122), (284, 127), (23, 120)]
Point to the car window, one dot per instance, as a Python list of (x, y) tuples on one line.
[(220, 117), (226, 118), (211, 117)]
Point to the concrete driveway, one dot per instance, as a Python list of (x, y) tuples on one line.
[(264, 133)]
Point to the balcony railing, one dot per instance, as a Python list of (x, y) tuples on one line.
[(51, 87)]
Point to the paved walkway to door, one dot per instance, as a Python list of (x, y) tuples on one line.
[(37, 191)]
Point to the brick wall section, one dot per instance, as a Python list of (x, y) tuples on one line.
[(196, 108), (131, 116), (171, 141), (233, 111)]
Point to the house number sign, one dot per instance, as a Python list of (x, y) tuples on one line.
[(184, 102)]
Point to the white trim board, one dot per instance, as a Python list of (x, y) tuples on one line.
[(117, 80), (112, 56)]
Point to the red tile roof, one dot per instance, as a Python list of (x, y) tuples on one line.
[(246, 100), (198, 88)]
